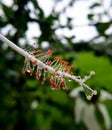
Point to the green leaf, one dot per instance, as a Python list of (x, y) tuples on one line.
[(90, 16), (102, 27), (95, 5), (7, 10)]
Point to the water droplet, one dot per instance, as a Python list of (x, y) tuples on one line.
[(89, 97), (69, 80), (63, 87), (89, 92), (52, 88), (28, 71)]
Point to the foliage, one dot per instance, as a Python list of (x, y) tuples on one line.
[(102, 22), (25, 103)]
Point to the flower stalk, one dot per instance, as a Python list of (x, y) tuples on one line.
[(39, 63)]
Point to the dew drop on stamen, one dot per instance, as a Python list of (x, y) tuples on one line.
[(63, 87), (69, 80), (52, 88), (28, 71), (89, 97)]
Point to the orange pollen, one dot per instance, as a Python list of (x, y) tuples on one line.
[(66, 88), (46, 69), (34, 63), (57, 58), (57, 87), (63, 76), (63, 83), (36, 56), (56, 70), (49, 63), (42, 82), (52, 83), (71, 73), (23, 71), (39, 51), (57, 78), (50, 52)]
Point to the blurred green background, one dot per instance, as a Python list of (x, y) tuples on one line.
[(25, 104)]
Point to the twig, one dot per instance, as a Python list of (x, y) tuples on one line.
[(39, 63)]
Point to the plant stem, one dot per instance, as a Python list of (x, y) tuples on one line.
[(41, 64), (13, 46), (22, 52), (30, 57)]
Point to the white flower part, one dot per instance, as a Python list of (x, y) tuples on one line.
[(105, 96), (89, 118), (106, 116), (75, 92), (84, 112), (79, 108)]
